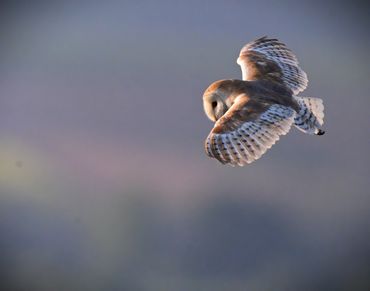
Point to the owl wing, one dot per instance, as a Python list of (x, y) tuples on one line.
[(270, 59), (247, 130)]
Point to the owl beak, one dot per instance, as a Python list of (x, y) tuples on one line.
[(218, 114)]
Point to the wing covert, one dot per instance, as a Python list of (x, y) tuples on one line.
[(237, 141)]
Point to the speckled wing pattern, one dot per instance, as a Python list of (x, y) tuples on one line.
[(237, 141), (310, 117), (269, 53)]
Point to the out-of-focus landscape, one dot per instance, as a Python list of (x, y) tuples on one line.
[(104, 183)]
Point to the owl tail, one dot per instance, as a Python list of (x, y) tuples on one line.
[(310, 117)]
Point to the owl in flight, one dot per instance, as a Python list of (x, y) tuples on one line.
[(251, 114)]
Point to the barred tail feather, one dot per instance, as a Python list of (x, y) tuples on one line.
[(310, 117)]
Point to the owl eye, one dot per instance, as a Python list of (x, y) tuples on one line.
[(214, 104)]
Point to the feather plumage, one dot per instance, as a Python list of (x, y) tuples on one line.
[(251, 114), (271, 59)]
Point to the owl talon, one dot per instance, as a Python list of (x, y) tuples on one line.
[(320, 132)]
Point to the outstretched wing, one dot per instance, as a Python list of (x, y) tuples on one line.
[(247, 130), (270, 59)]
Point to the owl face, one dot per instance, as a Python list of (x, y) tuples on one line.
[(214, 106), (214, 100), (220, 95)]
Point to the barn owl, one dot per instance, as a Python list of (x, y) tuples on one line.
[(250, 115)]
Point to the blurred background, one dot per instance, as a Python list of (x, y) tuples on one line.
[(104, 183)]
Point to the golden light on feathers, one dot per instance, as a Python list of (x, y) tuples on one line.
[(251, 114)]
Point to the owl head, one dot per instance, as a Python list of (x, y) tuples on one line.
[(219, 96)]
